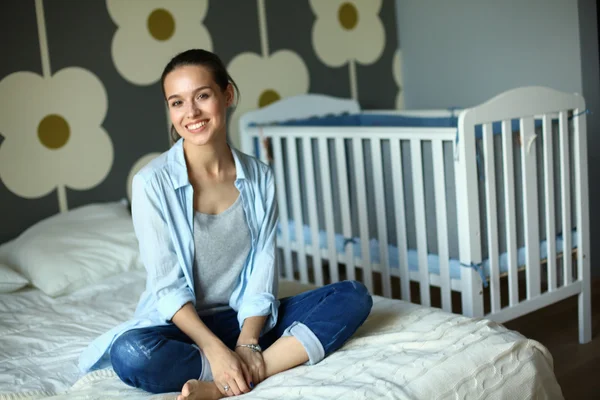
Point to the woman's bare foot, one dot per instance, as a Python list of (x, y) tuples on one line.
[(199, 390)]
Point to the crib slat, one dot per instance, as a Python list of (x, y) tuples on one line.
[(421, 226), (583, 223), (328, 208), (312, 209), (340, 155), (492, 216), (293, 171), (510, 212), (565, 176), (362, 213), (441, 212), (549, 195), (283, 211), (530, 200), (399, 211), (380, 209)]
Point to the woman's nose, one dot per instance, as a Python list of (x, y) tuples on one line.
[(194, 110)]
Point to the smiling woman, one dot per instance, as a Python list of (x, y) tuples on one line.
[(211, 304), (198, 90)]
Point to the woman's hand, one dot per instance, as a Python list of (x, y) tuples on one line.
[(255, 362), (229, 370)]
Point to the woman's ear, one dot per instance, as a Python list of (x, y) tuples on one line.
[(229, 95)]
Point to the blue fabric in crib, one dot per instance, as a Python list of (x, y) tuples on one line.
[(383, 120), (413, 258)]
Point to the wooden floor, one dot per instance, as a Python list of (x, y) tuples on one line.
[(575, 365)]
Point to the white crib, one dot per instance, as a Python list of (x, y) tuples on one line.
[(343, 194)]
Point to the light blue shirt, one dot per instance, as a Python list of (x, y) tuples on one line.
[(163, 219)]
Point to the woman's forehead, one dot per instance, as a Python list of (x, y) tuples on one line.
[(188, 78)]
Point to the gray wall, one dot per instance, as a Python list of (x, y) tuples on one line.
[(80, 35), (462, 52)]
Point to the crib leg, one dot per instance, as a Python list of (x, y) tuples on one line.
[(585, 313)]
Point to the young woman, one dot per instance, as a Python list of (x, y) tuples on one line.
[(209, 323)]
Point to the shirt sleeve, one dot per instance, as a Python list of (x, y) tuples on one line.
[(260, 296), (157, 252)]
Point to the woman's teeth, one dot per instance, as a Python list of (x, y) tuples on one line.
[(197, 125)]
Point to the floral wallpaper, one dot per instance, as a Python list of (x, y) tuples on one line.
[(81, 105)]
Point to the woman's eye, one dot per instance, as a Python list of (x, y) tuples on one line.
[(203, 96), (176, 103)]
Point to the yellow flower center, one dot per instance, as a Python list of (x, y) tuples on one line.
[(54, 131), (161, 24), (267, 97), (348, 16)]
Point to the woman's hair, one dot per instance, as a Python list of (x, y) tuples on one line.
[(205, 59)]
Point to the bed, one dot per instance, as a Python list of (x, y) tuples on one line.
[(75, 275), (488, 202)]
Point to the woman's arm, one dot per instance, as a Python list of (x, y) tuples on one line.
[(189, 322), (158, 254), (258, 311), (251, 330), (253, 360), (260, 297)]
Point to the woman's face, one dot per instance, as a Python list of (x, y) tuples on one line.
[(197, 105)]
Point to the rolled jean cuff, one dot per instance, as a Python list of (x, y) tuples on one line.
[(309, 341), (206, 373)]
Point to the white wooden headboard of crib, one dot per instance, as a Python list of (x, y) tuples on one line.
[(295, 107)]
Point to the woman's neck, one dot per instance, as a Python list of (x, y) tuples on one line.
[(212, 160)]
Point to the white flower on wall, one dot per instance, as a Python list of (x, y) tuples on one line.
[(53, 135), (346, 32), (397, 72), (264, 80), (151, 32)]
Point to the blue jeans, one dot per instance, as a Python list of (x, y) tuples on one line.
[(161, 359)]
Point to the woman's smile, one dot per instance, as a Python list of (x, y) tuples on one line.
[(196, 126)]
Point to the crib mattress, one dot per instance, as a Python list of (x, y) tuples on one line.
[(402, 351)]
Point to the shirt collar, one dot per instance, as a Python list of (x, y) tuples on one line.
[(178, 166)]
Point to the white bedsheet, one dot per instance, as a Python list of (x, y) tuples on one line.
[(403, 351)]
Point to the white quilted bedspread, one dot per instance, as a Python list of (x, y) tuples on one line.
[(403, 351)]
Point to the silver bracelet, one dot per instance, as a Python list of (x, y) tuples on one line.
[(254, 347)]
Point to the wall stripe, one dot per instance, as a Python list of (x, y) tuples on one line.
[(262, 26), (45, 53)]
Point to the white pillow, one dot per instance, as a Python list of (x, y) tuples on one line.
[(10, 281), (70, 250)]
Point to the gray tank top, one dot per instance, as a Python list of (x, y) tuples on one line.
[(222, 245)]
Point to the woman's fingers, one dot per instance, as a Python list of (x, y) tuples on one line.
[(233, 389), (247, 375), (241, 385)]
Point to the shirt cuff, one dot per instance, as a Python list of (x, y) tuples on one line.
[(172, 302), (259, 305)]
